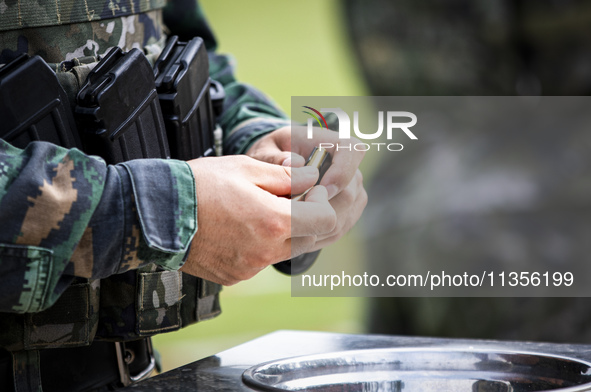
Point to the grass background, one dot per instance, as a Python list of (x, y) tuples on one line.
[(285, 48)]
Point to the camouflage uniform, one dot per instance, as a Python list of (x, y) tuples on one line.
[(71, 223)]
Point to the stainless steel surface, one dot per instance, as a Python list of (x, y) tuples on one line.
[(223, 371), (422, 369)]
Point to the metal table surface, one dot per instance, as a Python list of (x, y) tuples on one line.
[(223, 371)]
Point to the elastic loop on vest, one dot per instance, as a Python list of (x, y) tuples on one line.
[(158, 302)]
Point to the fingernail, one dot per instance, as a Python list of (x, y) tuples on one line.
[(286, 162), (332, 191)]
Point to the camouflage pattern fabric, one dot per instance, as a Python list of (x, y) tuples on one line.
[(66, 214), (70, 41), (72, 321), (133, 306), (24, 14), (80, 213), (82, 255)]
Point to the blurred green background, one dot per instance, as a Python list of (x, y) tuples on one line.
[(285, 48)]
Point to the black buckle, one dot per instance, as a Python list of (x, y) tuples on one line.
[(126, 356)]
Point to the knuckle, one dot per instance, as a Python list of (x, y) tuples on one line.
[(242, 274), (343, 225), (340, 228), (244, 159), (285, 254), (229, 282), (364, 198), (348, 196), (330, 222), (225, 279), (277, 226), (306, 243), (311, 240), (330, 240), (259, 260), (285, 173), (359, 177), (263, 260)]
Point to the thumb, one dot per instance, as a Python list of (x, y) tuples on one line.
[(274, 179), (274, 155), (294, 160)]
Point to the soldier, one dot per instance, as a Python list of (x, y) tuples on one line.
[(91, 254)]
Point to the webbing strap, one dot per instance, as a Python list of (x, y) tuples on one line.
[(37, 13), (26, 371), (70, 322), (145, 304), (208, 300)]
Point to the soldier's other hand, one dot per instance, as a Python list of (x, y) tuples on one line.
[(244, 218), (348, 205), (344, 183)]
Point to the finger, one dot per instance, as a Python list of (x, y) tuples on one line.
[(269, 152), (345, 161), (345, 200), (272, 148), (303, 178), (275, 156), (294, 160), (348, 195), (275, 148), (353, 213), (314, 216), (342, 170), (301, 245)]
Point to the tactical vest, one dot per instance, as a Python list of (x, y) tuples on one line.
[(132, 305), (118, 308)]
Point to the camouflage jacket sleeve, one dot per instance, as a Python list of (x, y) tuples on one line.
[(248, 113), (65, 214)]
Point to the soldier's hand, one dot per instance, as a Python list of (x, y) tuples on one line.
[(343, 180), (244, 219)]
